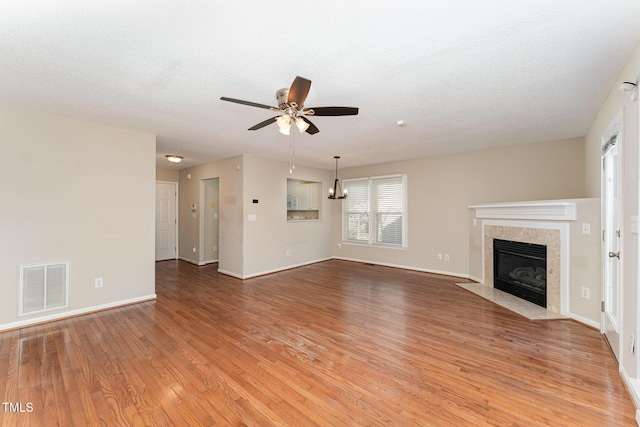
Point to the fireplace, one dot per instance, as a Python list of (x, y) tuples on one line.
[(521, 270)]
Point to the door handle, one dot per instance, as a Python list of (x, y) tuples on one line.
[(614, 254)]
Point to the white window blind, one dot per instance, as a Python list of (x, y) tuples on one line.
[(375, 211), (355, 223)]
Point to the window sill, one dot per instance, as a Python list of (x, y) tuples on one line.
[(374, 245)]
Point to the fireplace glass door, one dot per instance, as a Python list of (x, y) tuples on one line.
[(521, 270)]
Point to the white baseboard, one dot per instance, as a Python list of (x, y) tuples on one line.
[(584, 320), (198, 263), (288, 267), (475, 279), (409, 267), (74, 313), (274, 270), (633, 386), (190, 261), (229, 273)]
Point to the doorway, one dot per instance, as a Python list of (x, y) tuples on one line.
[(611, 196), (210, 221), (166, 220)]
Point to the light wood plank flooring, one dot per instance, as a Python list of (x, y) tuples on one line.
[(332, 344)]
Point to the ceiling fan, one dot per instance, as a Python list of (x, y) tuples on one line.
[(291, 109)]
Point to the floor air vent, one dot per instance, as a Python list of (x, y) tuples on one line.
[(43, 287)]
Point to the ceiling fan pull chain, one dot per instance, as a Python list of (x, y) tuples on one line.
[(292, 153)]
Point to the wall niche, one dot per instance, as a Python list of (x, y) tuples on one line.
[(304, 201)]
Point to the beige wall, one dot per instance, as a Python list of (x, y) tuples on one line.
[(440, 190), (230, 235), (68, 197), (168, 175), (267, 240), (615, 102), (250, 248), (585, 261)]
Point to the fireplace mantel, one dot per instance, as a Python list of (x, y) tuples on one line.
[(548, 210)]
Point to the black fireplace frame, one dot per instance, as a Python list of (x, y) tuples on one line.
[(532, 251)]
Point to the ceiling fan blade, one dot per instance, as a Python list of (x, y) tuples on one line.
[(249, 103), (312, 129), (331, 111), (298, 92), (264, 123)]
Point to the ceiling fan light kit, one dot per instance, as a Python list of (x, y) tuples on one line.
[(284, 123), (302, 125)]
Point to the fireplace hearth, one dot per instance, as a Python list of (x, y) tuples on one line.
[(521, 269)]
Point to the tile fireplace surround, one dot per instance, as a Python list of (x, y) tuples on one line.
[(545, 223)]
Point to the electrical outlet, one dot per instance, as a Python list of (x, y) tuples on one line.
[(193, 250), (215, 249), (288, 252), (446, 257), (439, 256), (586, 292), (99, 281), (339, 245)]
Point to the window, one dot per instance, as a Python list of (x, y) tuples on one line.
[(375, 211)]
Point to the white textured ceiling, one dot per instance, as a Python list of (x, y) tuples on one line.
[(463, 75)]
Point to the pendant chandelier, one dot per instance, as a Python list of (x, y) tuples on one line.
[(333, 192)]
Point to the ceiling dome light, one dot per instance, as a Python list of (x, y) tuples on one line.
[(174, 158), (631, 89)]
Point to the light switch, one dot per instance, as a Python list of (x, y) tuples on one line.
[(586, 228), (252, 217), (634, 224)]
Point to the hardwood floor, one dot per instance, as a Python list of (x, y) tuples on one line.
[(331, 344)]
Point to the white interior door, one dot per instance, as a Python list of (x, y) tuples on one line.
[(611, 208), (166, 220)]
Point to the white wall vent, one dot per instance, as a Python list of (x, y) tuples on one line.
[(43, 287)]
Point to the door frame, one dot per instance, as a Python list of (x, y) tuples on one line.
[(204, 212), (175, 184), (612, 332)]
